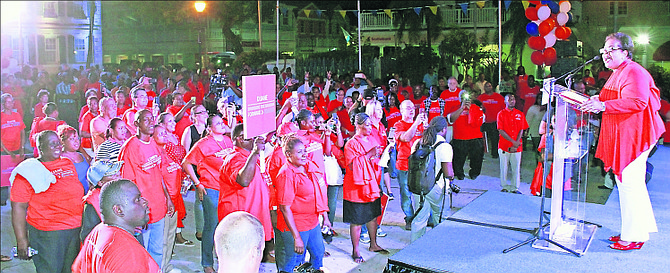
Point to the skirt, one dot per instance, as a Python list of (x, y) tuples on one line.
[(361, 213)]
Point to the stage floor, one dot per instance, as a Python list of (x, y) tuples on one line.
[(455, 246)]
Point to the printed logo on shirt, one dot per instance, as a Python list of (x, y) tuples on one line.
[(60, 173), (394, 115), (314, 146), (172, 167), (266, 178), (10, 124), (223, 153), (517, 116), (152, 162), (490, 101)]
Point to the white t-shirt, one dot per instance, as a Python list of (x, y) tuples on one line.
[(443, 153)]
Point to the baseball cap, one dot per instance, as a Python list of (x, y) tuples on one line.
[(393, 81), (102, 168), (369, 94)]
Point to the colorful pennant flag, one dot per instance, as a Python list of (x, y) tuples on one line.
[(307, 11), (355, 13), (480, 4), (284, 11), (374, 13), (417, 10), (388, 12), (318, 13), (347, 36), (507, 3), (464, 7), (343, 13), (525, 4), (433, 9)]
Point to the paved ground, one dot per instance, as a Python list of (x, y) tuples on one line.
[(188, 258)]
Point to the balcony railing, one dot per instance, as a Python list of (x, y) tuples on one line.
[(485, 17)]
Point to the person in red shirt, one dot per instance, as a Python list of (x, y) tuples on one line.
[(302, 199), (12, 135), (121, 106), (143, 164), (391, 110), (407, 130), (181, 112), (374, 110), (665, 115), (99, 124), (50, 122), (418, 98), (631, 126), (589, 81), (362, 202), (43, 97), (511, 124), (85, 124), (244, 186), (528, 94), (208, 155), (452, 101), (521, 79), (53, 229), (89, 93), (468, 140), (492, 103), (140, 101), (111, 246), (433, 105)]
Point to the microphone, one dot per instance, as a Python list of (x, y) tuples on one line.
[(595, 58)]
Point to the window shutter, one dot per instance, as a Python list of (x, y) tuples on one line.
[(70, 49), (62, 7), (62, 49), (40, 49)]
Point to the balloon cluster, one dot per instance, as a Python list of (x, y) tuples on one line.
[(547, 25)]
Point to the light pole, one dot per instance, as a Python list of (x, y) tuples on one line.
[(643, 39), (200, 7)]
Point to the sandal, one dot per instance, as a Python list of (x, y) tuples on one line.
[(358, 259), (185, 243), (5, 258)]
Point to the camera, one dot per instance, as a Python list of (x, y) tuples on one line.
[(306, 268), (380, 94), (218, 83)]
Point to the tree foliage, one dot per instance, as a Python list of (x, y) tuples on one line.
[(515, 29), (415, 60), (460, 47), (406, 20)]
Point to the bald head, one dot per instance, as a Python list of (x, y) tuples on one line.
[(239, 242)]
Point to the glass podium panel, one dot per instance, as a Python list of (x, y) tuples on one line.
[(572, 136)]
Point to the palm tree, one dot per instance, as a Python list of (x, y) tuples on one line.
[(407, 20), (515, 29)]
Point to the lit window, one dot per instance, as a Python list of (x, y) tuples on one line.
[(50, 49), (50, 9), (80, 50)]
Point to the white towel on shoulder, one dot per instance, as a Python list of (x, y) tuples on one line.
[(37, 175)]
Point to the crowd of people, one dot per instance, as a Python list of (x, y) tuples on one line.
[(131, 142)]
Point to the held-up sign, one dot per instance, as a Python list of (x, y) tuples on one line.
[(259, 105)]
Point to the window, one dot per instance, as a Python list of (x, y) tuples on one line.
[(619, 7), (50, 9), (80, 50), (50, 49), (623, 8)]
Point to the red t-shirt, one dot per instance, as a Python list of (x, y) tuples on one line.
[(40, 125), (361, 180), (589, 81), (85, 123), (512, 122), (151, 96), (38, 110), (528, 94), (184, 122), (493, 104), (434, 110), (333, 104), (392, 116), (379, 134), (418, 104), (254, 199), (109, 249), (452, 101), (521, 82), (121, 110), (130, 121), (314, 148), (83, 112), (57, 208), (143, 165), (207, 154), (405, 148), (665, 108), (468, 124), (10, 134), (304, 192)]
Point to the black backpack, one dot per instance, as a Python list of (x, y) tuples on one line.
[(421, 176)]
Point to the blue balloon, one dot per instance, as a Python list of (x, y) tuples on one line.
[(531, 28), (569, 17), (555, 8), (545, 2)]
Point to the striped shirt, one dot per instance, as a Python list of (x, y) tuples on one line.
[(108, 150)]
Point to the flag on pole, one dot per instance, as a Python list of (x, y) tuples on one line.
[(355, 13), (347, 36), (284, 11)]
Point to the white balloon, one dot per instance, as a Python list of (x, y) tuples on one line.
[(549, 40), (543, 12), (562, 18), (564, 6)]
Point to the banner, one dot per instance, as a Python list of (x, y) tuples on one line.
[(259, 104)]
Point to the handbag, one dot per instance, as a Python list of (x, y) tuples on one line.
[(334, 175)]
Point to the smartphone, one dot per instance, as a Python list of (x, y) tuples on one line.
[(192, 99), (359, 75)]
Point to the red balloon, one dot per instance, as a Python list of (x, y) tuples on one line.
[(550, 56), (537, 58), (536, 43), (563, 33), (546, 26), (531, 13)]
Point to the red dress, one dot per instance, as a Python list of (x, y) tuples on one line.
[(630, 123)]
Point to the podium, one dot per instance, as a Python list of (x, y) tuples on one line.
[(571, 139)]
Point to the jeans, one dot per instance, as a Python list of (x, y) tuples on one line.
[(393, 156), (405, 195), (153, 240), (432, 204), (313, 242), (280, 255), (333, 192), (56, 249), (210, 204), (197, 213)]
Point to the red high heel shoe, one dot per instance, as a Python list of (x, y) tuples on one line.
[(629, 246), (615, 238)]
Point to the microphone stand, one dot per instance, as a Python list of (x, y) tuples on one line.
[(569, 74)]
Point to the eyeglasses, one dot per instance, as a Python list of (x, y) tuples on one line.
[(608, 51), (198, 113)]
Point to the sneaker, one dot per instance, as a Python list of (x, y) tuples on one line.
[(408, 224), (380, 232), (365, 238), (504, 190)]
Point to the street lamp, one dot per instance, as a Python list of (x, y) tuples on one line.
[(200, 7), (643, 39)]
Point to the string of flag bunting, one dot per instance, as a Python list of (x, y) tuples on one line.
[(389, 12)]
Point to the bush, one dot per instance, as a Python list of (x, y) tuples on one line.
[(662, 79)]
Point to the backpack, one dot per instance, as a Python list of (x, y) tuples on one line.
[(421, 176)]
